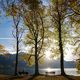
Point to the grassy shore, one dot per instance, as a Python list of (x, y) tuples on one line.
[(41, 77)]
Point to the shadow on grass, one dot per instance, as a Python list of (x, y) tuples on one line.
[(31, 78), (68, 77), (34, 76), (65, 76), (15, 77)]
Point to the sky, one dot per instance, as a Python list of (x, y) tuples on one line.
[(45, 2), (6, 37)]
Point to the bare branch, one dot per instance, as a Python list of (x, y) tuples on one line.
[(78, 41)]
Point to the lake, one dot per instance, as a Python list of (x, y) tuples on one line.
[(69, 71)]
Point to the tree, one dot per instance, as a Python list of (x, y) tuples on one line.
[(12, 9), (34, 21), (2, 49), (75, 20), (59, 13), (78, 65), (36, 36), (18, 31)]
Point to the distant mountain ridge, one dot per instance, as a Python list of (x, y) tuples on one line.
[(56, 64), (7, 64)]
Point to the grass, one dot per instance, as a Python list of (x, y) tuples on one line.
[(40, 77)]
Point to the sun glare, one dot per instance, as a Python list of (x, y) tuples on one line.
[(48, 55), (48, 69)]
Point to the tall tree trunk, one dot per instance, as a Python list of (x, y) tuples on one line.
[(60, 39), (36, 59), (61, 49), (17, 51)]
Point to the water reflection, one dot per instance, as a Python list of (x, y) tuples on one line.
[(69, 71)]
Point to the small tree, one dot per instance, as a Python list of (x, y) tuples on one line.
[(12, 9), (17, 32), (3, 49)]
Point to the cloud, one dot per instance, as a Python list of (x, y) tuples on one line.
[(6, 38)]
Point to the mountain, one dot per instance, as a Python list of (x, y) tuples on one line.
[(7, 64)]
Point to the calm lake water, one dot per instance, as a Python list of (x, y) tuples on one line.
[(69, 71)]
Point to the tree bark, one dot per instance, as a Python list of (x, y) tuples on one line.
[(60, 39), (36, 58), (17, 51), (61, 49)]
